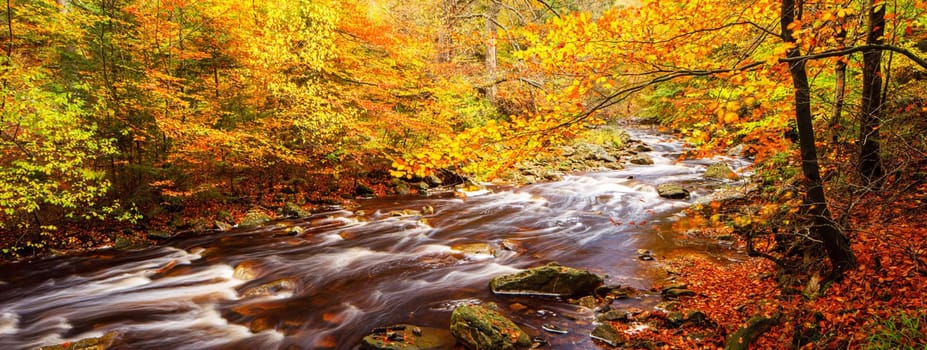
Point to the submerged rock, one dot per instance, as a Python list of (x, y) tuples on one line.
[(552, 279), (672, 191), (101, 343), (720, 171), (641, 159), (475, 248), (245, 271), (479, 327), (270, 288), (408, 337)]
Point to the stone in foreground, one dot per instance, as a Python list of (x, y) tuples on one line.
[(408, 337), (479, 327), (551, 280)]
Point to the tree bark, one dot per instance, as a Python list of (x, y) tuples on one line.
[(840, 71), (492, 11), (870, 162), (835, 243)]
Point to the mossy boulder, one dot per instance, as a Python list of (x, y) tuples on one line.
[(408, 337), (291, 209), (253, 218), (480, 327), (720, 171), (552, 279)]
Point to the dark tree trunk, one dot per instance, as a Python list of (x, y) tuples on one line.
[(840, 86), (835, 243), (870, 163)]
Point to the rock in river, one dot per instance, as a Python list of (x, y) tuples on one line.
[(408, 337), (479, 327), (672, 191), (552, 279)]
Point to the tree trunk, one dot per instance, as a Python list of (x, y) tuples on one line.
[(840, 86), (445, 35), (835, 243), (870, 163), (492, 12)]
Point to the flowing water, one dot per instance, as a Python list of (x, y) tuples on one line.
[(350, 272)]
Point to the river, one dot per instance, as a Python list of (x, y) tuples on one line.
[(350, 272)]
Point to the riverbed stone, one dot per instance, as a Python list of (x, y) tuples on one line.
[(475, 248), (291, 209), (672, 191), (720, 171), (223, 226), (641, 159), (552, 279), (270, 288), (253, 218), (158, 234), (480, 327), (607, 334), (100, 343), (408, 337), (245, 270)]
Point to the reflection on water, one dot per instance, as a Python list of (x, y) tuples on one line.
[(348, 274)]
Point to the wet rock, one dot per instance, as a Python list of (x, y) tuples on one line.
[(620, 315), (408, 337), (588, 151), (607, 335), (131, 243), (672, 191), (644, 254), (156, 234), (245, 270), (291, 209), (512, 245), (253, 218), (402, 188), (433, 181), (552, 279), (641, 159), (475, 248), (720, 171), (588, 302), (479, 327), (428, 210), (362, 190), (261, 324), (676, 290), (642, 148), (100, 343), (270, 288), (295, 231), (223, 226)]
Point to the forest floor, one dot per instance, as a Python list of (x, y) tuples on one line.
[(880, 304)]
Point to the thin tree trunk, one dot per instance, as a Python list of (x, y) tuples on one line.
[(491, 65), (840, 86), (870, 162), (835, 243)]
